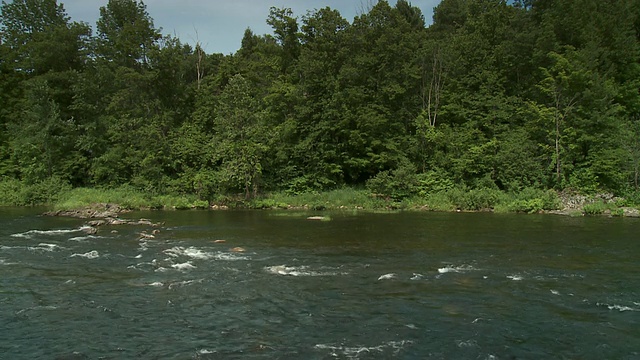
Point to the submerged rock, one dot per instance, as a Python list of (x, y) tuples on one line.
[(89, 230), (145, 235)]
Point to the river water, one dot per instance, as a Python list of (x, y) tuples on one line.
[(359, 286)]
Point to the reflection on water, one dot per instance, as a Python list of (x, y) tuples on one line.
[(361, 286)]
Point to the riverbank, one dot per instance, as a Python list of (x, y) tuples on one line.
[(81, 202), (109, 203)]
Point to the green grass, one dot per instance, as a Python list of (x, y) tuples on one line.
[(126, 197), (61, 196), (335, 199), (526, 201), (600, 207)]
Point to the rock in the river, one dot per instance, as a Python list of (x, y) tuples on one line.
[(90, 230), (93, 211)]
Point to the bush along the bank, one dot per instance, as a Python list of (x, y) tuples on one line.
[(19, 193), (378, 196)]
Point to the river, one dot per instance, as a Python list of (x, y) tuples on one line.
[(407, 285)]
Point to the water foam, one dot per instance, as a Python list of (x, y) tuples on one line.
[(85, 238), (387, 276), (198, 254), (93, 254), (31, 233), (298, 271), (184, 283), (44, 247), (230, 257), (515, 277), (620, 308), (191, 252), (416, 276), (182, 267), (33, 308), (467, 344), (355, 351), (456, 269)]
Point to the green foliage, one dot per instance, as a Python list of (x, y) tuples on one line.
[(125, 33), (10, 192), (45, 192), (439, 201), (631, 198), (307, 184), (346, 198), (617, 212), (595, 208), (475, 199), (397, 184), (584, 181), (433, 181), (486, 108), (268, 203), (531, 200), (127, 197)]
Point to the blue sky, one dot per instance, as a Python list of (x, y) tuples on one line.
[(220, 24)]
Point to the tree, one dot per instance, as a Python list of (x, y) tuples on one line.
[(239, 137), (40, 39), (42, 54), (285, 28), (558, 85), (42, 140), (126, 33)]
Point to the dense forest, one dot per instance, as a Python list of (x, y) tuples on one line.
[(496, 94)]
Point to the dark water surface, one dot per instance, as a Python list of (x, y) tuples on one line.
[(361, 286)]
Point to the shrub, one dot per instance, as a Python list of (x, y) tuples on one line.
[(10, 192), (433, 182), (595, 208), (600, 207), (397, 184), (531, 200), (475, 199), (530, 206), (584, 180), (631, 199), (268, 203), (19, 193), (617, 212), (439, 201)]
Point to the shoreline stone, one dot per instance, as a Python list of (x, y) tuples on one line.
[(103, 214), (93, 211)]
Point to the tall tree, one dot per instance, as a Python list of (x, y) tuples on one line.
[(43, 53), (126, 33), (240, 137), (285, 29)]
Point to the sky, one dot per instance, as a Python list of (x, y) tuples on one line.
[(220, 24)]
